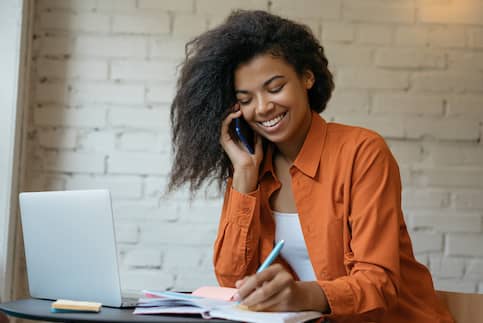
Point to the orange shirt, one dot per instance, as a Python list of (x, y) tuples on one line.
[(347, 191)]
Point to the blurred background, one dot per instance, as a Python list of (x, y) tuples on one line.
[(101, 76)]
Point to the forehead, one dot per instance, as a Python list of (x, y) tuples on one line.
[(260, 68)]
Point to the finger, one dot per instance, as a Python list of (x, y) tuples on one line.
[(225, 125), (275, 303), (258, 280), (240, 282), (270, 288)]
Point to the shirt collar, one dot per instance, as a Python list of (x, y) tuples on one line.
[(309, 157)]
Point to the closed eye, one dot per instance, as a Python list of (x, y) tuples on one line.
[(277, 89)]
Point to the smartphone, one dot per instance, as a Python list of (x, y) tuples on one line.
[(245, 134)]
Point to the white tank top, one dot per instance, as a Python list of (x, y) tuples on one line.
[(287, 227)]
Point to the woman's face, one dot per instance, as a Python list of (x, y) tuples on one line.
[(273, 99)]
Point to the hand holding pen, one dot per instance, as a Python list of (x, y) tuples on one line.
[(273, 288)]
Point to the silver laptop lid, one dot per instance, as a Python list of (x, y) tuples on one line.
[(70, 246)]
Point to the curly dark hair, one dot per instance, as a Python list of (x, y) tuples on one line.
[(205, 88)]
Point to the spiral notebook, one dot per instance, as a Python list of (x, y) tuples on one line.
[(213, 302)]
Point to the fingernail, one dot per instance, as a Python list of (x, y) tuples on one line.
[(236, 297)]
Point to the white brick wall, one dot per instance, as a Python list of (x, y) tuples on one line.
[(104, 75)]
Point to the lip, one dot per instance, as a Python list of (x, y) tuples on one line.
[(270, 130)]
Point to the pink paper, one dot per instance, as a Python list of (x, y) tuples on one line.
[(221, 293)]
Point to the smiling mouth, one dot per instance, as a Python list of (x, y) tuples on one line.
[(274, 121)]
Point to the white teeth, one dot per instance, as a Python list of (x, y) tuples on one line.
[(274, 121)]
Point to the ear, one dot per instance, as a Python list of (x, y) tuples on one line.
[(309, 79)]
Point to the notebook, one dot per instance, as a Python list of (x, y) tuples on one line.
[(213, 302), (70, 247)]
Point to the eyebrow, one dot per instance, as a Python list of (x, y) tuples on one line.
[(264, 84)]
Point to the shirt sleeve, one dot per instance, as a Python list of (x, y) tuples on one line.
[(236, 246), (375, 221)]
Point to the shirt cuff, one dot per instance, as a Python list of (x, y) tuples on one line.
[(339, 297), (242, 206)]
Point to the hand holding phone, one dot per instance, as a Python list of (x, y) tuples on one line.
[(245, 134)]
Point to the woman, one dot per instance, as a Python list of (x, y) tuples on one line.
[(331, 191)]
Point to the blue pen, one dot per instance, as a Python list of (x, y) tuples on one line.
[(271, 257)]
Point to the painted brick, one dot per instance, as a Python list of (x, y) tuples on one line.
[(157, 187), (161, 92), (475, 270), (168, 5), (139, 163), (406, 152), (86, 22), (72, 69), (425, 198), (460, 12), (127, 233), (167, 47), (445, 267), (447, 37), (183, 258), (67, 4), (345, 55), (84, 117), (410, 58), (58, 138), (58, 45), (95, 140), (139, 279), (143, 258), (411, 36), (223, 8), (158, 23), (35, 182), (475, 38), (51, 93), (74, 162), (192, 280), (446, 221), (464, 245), (465, 106), (143, 70), (142, 141), (309, 9), (447, 81), (408, 104), (166, 233), (107, 93), (375, 34), (385, 126), (189, 25), (347, 102), (114, 6), (470, 199), (465, 60), (134, 211), (455, 285), (139, 118), (109, 46), (370, 78), (389, 13), (461, 129), (336, 31), (426, 241), (199, 214), (450, 154), (125, 187), (449, 177)]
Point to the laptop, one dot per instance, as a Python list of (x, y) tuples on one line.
[(70, 246)]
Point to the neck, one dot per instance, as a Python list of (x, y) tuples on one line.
[(290, 150)]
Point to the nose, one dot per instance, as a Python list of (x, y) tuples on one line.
[(264, 105)]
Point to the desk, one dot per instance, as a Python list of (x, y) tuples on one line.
[(36, 309)]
